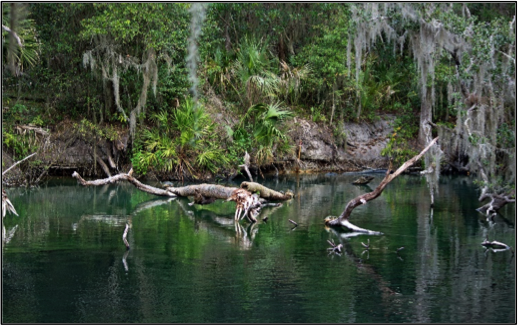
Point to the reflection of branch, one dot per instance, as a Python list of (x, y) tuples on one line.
[(384, 286), (214, 222), (124, 260), (496, 246), (9, 235), (150, 204)]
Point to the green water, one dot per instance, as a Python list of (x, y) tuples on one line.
[(65, 260)]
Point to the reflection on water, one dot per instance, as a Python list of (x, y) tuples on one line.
[(64, 259)]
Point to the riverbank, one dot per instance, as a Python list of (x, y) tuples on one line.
[(67, 148)]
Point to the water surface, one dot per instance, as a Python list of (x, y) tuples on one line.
[(65, 260)]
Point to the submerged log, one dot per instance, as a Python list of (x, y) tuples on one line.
[(342, 221)]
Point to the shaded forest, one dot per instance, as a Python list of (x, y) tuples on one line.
[(188, 89)]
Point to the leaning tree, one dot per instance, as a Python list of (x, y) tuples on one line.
[(480, 62)]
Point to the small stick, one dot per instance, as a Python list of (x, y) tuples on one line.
[(124, 237), (293, 222)]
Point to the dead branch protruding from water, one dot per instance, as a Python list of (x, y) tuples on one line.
[(342, 220)]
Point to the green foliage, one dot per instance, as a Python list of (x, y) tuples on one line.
[(255, 56), (20, 144), (28, 54), (92, 132), (317, 115), (148, 25), (405, 129), (240, 142), (252, 70), (266, 127), (506, 137), (178, 140)]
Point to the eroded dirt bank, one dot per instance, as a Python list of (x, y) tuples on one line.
[(66, 151)]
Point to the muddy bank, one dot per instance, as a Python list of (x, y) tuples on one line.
[(66, 151)]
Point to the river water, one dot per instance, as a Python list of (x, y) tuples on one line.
[(65, 260)]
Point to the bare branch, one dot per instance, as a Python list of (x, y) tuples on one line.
[(364, 198), (246, 165), (128, 177), (18, 162)]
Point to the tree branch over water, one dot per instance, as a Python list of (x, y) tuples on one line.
[(342, 220)]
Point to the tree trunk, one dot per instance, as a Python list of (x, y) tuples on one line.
[(426, 116)]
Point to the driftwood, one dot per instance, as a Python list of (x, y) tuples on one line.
[(497, 246), (206, 190), (265, 192), (342, 221), (128, 177), (247, 204), (497, 200)]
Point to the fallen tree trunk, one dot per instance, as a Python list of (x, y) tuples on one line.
[(342, 221), (206, 190), (497, 202), (265, 192), (204, 193)]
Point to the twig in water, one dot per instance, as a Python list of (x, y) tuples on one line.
[(293, 222), (124, 237)]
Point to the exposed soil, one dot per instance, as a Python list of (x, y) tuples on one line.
[(67, 150)]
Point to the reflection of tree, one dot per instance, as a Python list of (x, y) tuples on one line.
[(7, 236), (222, 225), (191, 264), (359, 263)]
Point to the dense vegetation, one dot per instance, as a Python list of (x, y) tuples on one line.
[(446, 69)]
